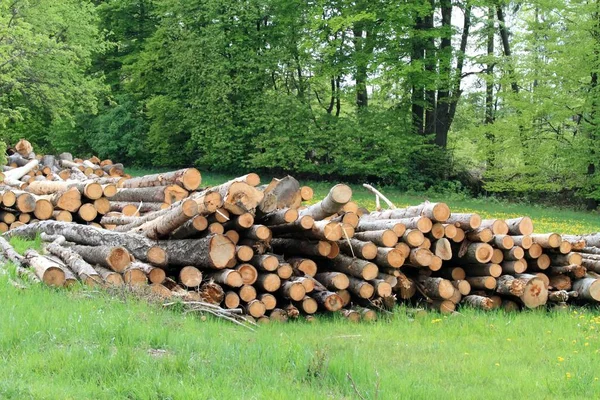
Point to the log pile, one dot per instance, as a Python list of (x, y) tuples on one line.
[(272, 252)]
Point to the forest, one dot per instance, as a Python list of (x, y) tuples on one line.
[(479, 96)]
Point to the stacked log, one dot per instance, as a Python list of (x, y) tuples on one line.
[(275, 253)]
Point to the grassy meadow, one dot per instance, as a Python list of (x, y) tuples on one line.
[(86, 344)]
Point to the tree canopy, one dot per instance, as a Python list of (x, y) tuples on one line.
[(494, 95)]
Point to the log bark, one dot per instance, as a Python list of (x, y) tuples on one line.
[(575, 271), (465, 221), (482, 282), (333, 280), (46, 270), (160, 194), (292, 290), (547, 240), (284, 216), (389, 257), (189, 179), (437, 288), (335, 200), (303, 266), (215, 251), (479, 302), (520, 226), (229, 277), (295, 247), (439, 212), (360, 288), (509, 286), (355, 267), (497, 226), (86, 273), (117, 258), (357, 248), (588, 289), (281, 193), (168, 222), (383, 238), (488, 269)]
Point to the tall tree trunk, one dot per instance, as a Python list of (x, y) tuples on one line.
[(418, 90), (443, 98), (489, 88), (504, 35), (431, 70)]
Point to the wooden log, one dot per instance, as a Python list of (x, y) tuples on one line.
[(215, 251), (482, 282), (238, 196), (160, 194), (292, 290), (480, 234), (413, 237), (560, 282), (566, 259), (383, 238), (452, 273), (248, 273), (514, 267), (439, 212), (516, 253), (337, 197), (575, 271), (304, 266), (377, 225), (535, 293), (389, 257), (135, 277), (328, 300), (134, 209), (258, 232), (534, 251), (102, 205), (189, 179), (520, 226), (461, 286), (539, 264), (154, 274), (497, 226), (503, 242), (191, 228), (357, 248), (86, 273), (229, 277), (281, 193), (437, 231), (450, 231), (479, 302), (442, 306), (587, 289), (420, 257), (547, 240), (46, 270), (268, 282), (285, 270), (403, 248), (478, 253), (355, 267), (117, 258), (465, 221), (509, 286), (360, 288), (333, 280), (87, 212), (294, 247), (248, 293), (268, 300), (565, 247), (382, 288), (265, 262), (255, 308), (190, 276), (168, 222), (437, 288), (488, 269), (278, 217), (231, 300), (442, 249)]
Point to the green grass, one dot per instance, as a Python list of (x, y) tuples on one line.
[(57, 344), (84, 344)]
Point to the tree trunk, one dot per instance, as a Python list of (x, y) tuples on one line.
[(46, 270), (188, 179)]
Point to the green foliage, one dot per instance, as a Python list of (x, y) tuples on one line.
[(46, 48), (67, 344)]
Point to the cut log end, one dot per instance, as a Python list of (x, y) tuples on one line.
[(221, 251)]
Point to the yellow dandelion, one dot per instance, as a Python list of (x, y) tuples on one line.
[(586, 344), (568, 375), (508, 339), (560, 359), (497, 364)]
